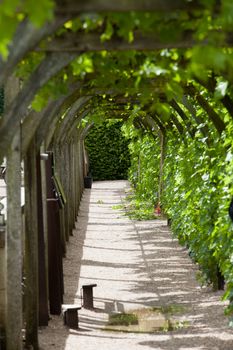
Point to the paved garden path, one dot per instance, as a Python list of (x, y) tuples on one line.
[(136, 265)]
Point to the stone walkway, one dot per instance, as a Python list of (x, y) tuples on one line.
[(136, 265)]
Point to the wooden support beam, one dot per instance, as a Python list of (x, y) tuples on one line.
[(83, 42), (213, 116), (14, 318), (71, 116), (55, 270), (2, 287), (161, 166), (177, 124), (31, 247), (26, 38), (42, 273), (211, 85), (16, 111), (198, 118), (190, 128), (44, 213), (74, 124), (75, 7), (14, 251)]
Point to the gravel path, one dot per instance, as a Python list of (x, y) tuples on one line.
[(135, 264)]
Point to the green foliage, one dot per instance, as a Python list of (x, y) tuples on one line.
[(40, 11), (108, 151), (144, 170), (198, 188), (54, 89), (12, 12), (82, 65), (137, 209)]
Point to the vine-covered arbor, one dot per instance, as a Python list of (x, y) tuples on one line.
[(165, 68)]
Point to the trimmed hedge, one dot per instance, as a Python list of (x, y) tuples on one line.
[(108, 152)]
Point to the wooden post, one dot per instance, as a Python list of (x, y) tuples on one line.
[(43, 295), (54, 244), (70, 211), (2, 288), (14, 320), (44, 209), (59, 171), (162, 156), (31, 248), (66, 178)]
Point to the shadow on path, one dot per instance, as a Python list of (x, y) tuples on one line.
[(135, 265)]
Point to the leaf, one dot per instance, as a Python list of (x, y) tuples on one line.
[(107, 34), (221, 89)]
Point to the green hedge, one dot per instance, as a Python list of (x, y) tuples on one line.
[(108, 152)]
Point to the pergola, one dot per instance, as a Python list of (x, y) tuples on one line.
[(56, 134)]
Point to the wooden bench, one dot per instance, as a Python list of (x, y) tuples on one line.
[(70, 315)]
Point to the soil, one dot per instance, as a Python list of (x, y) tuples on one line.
[(137, 265)]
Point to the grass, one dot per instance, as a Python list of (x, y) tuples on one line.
[(145, 321), (122, 319), (169, 309), (118, 206), (138, 210), (135, 208)]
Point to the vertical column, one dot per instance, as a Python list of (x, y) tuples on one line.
[(2, 287), (44, 212), (162, 156), (31, 247), (43, 295), (14, 320), (54, 244)]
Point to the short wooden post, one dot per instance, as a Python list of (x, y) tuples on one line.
[(88, 296), (70, 315)]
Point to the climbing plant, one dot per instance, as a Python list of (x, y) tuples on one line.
[(198, 189), (144, 171)]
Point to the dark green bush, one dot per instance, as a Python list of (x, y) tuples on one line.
[(108, 152)]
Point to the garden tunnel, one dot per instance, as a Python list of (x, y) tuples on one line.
[(164, 68)]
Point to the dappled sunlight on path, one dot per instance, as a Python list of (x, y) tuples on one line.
[(136, 265)]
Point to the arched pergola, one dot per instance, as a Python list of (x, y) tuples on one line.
[(57, 132)]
